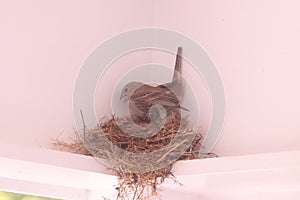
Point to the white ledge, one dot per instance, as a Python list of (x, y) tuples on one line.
[(70, 176)]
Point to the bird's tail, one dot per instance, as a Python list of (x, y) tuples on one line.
[(178, 66)]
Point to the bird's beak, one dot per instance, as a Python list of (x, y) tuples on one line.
[(124, 98)]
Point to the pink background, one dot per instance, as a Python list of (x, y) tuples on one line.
[(254, 44)]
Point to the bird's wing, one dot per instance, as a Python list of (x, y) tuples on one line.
[(142, 97), (146, 96)]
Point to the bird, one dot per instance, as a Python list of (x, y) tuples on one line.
[(146, 101)]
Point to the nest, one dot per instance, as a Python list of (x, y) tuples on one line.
[(176, 140)]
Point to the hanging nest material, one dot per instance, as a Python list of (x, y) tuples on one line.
[(108, 142)]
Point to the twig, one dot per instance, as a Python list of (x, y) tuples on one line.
[(83, 123)]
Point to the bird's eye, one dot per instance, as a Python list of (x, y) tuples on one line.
[(126, 89)]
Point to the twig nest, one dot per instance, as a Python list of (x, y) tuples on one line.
[(140, 162), (114, 143)]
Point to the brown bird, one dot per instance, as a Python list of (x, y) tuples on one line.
[(143, 97)]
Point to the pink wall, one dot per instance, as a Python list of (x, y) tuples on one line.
[(43, 44), (254, 44)]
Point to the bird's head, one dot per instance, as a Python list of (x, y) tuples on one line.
[(128, 90)]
